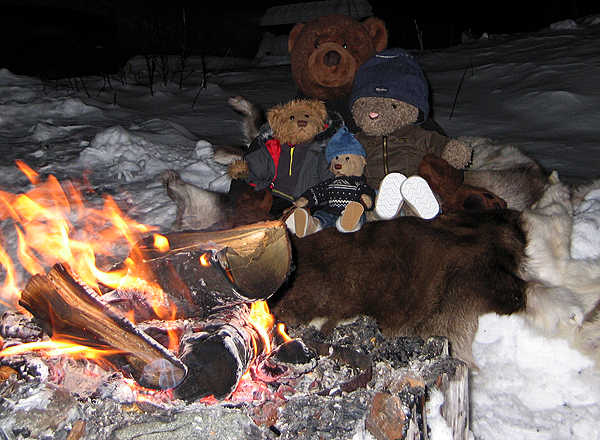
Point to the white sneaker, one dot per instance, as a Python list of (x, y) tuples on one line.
[(419, 196), (389, 198)]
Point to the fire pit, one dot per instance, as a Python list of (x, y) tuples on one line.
[(177, 339)]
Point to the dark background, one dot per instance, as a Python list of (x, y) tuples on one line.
[(57, 38)]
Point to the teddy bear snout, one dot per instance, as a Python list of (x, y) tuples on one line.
[(332, 58), (373, 115), (302, 123)]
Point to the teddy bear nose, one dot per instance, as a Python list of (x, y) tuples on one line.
[(302, 123), (332, 58), (373, 115)]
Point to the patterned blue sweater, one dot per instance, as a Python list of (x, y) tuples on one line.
[(332, 195)]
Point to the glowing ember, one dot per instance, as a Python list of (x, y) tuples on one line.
[(205, 259), (161, 243)]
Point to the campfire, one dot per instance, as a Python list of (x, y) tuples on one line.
[(168, 320), (209, 288)]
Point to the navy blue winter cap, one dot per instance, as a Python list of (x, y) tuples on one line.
[(343, 142), (392, 73)]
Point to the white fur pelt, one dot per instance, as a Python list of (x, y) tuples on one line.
[(563, 294)]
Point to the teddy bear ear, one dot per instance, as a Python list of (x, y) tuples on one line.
[(273, 115), (321, 110), (294, 35), (378, 32)]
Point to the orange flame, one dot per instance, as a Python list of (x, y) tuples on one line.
[(44, 219), (32, 175), (161, 243), (205, 259), (283, 333), (262, 320), (59, 347)]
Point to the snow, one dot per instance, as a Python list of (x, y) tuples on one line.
[(539, 92)]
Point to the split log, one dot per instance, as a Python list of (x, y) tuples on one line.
[(219, 268), (65, 307)]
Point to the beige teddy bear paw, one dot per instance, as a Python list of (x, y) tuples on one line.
[(458, 154)]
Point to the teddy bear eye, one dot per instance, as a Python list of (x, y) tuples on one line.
[(347, 158), (394, 106), (306, 115), (292, 118), (345, 46), (316, 43)]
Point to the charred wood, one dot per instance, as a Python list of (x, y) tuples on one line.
[(219, 354)]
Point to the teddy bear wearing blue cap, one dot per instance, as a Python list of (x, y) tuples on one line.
[(390, 103), (339, 201)]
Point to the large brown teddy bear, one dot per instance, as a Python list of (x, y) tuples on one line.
[(326, 52)]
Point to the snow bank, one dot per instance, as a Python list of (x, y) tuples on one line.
[(144, 150), (530, 386)]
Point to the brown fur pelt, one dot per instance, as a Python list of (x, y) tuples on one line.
[(415, 277), (297, 121)]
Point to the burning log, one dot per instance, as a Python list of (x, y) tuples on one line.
[(65, 307), (219, 354), (201, 271)]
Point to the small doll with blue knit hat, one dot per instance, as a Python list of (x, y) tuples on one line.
[(339, 201)]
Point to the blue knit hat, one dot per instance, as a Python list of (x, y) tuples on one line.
[(392, 73), (343, 142)]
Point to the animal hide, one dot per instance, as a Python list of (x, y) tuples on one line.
[(425, 278), (563, 294), (505, 171), (200, 209), (415, 277)]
